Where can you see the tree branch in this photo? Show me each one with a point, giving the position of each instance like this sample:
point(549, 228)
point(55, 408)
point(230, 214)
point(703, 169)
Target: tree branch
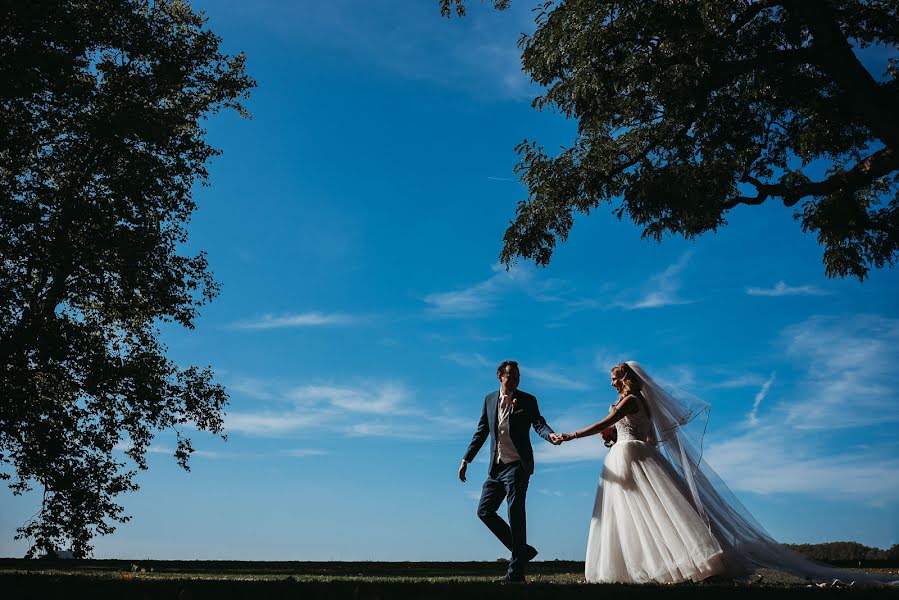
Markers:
point(752, 12)
point(864, 172)
point(873, 103)
point(724, 72)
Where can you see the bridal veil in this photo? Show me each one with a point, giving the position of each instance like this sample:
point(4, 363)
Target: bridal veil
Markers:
point(678, 426)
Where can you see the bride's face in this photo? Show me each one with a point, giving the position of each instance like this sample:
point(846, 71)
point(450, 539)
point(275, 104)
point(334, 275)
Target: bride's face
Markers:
point(616, 383)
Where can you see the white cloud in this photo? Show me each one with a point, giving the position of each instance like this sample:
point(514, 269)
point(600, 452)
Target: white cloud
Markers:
point(464, 334)
point(252, 388)
point(304, 452)
point(847, 379)
point(574, 306)
point(782, 289)
point(479, 298)
point(677, 378)
point(606, 358)
point(414, 423)
point(154, 449)
point(308, 319)
point(762, 393)
point(739, 381)
point(548, 377)
point(451, 422)
point(321, 406)
point(461, 303)
point(851, 376)
point(405, 430)
point(378, 398)
point(468, 360)
point(662, 288)
point(123, 446)
point(771, 460)
point(604, 361)
point(381, 409)
point(370, 429)
point(272, 424)
point(553, 379)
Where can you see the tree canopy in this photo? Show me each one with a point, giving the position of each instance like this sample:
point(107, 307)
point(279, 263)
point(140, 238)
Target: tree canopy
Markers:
point(101, 144)
point(688, 109)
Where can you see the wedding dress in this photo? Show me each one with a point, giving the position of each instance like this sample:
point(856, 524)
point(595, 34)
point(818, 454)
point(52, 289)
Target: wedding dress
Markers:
point(663, 515)
point(644, 528)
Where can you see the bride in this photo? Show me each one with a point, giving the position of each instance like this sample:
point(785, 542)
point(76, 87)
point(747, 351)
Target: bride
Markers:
point(661, 513)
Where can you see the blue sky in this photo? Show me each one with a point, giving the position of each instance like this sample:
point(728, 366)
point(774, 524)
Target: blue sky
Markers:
point(355, 224)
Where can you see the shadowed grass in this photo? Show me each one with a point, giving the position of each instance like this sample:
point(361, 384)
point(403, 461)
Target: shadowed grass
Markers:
point(219, 580)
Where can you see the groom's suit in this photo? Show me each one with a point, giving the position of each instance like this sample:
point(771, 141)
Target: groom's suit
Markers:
point(509, 480)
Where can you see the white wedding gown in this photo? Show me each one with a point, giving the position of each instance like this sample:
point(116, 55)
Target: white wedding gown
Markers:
point(644, 528)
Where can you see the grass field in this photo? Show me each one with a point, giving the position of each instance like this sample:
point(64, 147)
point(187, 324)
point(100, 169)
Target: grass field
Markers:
point(194, 580)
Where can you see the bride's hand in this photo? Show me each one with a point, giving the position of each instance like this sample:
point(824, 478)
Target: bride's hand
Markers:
point(567, 437)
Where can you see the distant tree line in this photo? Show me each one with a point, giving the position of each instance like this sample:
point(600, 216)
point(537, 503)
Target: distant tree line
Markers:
point(845, 552)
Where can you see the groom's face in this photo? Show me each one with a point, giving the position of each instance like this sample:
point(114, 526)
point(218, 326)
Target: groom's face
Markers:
point(509, 378)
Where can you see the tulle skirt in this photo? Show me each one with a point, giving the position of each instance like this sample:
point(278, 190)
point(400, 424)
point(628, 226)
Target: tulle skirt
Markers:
point(644, 529)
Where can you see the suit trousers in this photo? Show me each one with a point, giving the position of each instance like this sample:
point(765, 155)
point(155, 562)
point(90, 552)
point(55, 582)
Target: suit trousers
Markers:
point(507, 482)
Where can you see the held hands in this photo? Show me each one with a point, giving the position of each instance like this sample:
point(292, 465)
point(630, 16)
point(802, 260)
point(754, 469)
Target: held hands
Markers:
point(557, 438)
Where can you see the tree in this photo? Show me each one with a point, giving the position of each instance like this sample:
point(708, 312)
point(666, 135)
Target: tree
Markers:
point(688, 109)
point(100, 145)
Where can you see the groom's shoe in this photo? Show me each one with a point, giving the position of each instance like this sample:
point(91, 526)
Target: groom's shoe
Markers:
point(530, 553)
point(509, 579)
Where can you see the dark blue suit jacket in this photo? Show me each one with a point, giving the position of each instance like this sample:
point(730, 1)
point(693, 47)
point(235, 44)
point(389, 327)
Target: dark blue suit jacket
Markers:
point(525, 415)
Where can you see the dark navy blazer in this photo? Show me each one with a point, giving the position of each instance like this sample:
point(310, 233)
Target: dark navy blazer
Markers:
point(525, 415)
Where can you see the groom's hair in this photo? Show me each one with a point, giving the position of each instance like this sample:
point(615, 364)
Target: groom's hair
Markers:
point(507, 363)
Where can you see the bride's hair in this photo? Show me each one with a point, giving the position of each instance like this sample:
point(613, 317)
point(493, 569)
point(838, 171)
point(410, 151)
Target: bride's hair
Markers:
point(630, 383)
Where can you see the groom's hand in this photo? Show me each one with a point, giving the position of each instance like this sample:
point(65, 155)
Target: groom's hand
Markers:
point(555, 439)
point(462, 469)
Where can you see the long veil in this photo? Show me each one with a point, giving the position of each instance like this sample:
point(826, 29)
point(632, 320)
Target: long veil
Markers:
point(678, 430)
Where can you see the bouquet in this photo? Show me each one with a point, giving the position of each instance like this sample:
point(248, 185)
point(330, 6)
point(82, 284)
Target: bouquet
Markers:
point(609, 436)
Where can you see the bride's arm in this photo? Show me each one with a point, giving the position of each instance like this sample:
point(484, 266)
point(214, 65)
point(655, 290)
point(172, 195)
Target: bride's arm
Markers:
point(624, 408)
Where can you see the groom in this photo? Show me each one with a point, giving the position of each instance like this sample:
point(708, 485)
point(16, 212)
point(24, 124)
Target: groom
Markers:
point(507, 417)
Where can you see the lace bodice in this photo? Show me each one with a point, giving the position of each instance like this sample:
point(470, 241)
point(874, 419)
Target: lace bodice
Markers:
point(635, 426)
